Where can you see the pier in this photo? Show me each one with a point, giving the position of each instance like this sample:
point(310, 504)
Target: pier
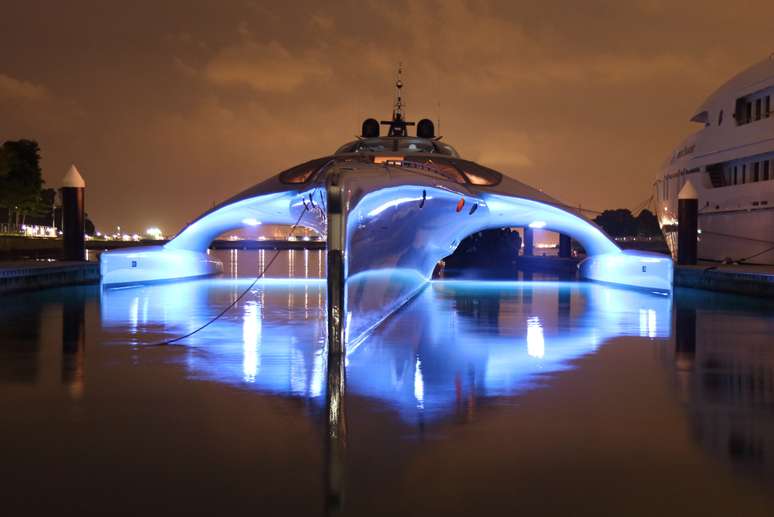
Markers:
point(26, 276)
point(739, 279)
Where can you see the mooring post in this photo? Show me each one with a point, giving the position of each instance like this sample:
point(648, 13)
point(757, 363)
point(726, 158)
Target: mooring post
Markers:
point(565, 246)
point(336, 267)
point(73, 215)
point(687, 224)
point(529, 241)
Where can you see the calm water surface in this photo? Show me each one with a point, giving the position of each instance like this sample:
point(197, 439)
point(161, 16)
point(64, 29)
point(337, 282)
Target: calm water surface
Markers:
point(494, 398)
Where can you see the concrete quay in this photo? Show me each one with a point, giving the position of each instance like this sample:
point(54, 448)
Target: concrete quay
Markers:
point(31, 275)
point(739, 279)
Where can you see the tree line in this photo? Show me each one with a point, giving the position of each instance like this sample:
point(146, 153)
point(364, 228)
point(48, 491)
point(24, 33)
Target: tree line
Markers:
point(21, 182)
point(622, 223)
point(22, 190)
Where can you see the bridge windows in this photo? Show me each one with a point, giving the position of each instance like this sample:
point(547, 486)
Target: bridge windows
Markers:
point(753, 107)
point(460, 171)
point(747, 170)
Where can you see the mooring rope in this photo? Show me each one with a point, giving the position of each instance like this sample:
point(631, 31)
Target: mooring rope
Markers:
point(740, 237)
point(243, 293)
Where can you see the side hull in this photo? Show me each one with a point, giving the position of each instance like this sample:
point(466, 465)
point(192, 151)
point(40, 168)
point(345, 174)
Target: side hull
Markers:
point(648, 271)
point(737, 235)
point(155, 264)
point(400, 224)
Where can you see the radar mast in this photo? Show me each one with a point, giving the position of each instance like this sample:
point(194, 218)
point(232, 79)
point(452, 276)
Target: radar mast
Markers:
point(398, 123)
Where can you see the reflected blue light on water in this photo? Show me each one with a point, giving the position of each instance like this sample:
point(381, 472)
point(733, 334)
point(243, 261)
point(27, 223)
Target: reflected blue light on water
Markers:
point(477, 340)
point(456, 342)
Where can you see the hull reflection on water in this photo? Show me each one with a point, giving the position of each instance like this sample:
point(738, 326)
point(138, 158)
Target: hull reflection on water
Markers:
point(461, 341)
point(723, 364)
point(455, 341)
point(272, 340)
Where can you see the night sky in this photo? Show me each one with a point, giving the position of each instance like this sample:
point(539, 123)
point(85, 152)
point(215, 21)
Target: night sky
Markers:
point(168, 107)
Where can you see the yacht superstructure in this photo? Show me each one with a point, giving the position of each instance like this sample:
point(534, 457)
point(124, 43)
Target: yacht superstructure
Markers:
point(730, 162)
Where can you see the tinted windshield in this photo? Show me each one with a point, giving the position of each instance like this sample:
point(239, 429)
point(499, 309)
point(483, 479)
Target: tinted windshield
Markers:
point(404, 145)
point(304, 172)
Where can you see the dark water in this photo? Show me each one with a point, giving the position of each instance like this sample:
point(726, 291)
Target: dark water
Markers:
point(494, 398)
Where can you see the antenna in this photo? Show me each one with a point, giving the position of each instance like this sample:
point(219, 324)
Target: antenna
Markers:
point(439, 115)
point(398, 123)
point(397, 112)
point(438, 98)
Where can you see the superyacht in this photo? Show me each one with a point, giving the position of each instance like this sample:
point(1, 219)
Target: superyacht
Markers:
point(730, 164)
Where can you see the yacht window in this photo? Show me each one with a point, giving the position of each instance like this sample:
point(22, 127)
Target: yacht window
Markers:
point(757, 109)
point(765, 170)
point(303, 172)
point(748, 112)
point(406, 145)
point(756, 170)
point(768, 106)
point(744, 173)
point(416, 146)
point(478, 175)
point(720, 117)
point(438, 167)
point(735, 175)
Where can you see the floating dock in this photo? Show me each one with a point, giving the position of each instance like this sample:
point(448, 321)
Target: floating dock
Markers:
point(25, 276)
point(739, 279)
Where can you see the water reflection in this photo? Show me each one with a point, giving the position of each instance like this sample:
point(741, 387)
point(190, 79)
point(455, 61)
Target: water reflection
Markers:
point(335, 433)
point(462, 352)
point(456, 341)
point(74, 341)
point(43, 338)
point(723, 363)
point(465, 341)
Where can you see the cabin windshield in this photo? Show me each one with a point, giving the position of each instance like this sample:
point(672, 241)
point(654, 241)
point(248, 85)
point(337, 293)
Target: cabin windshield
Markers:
point(402, 145)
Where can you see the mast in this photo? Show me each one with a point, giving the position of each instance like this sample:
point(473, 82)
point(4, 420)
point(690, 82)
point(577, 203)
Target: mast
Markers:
point(397, 111)
point(398, 123)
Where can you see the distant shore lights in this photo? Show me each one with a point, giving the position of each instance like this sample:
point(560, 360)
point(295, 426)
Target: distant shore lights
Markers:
point(154, 233)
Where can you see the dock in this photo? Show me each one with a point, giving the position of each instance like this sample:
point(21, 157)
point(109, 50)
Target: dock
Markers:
point(732, 278)
point(31, 275)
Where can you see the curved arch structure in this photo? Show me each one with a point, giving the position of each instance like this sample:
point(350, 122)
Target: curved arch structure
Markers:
point(390, 218)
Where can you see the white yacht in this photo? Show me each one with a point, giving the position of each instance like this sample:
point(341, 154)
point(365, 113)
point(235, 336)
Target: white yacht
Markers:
point(730, 162)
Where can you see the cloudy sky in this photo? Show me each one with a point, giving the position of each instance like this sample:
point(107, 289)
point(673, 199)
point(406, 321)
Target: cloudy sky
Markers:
point(170, 106)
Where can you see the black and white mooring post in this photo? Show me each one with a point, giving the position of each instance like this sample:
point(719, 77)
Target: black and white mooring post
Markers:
point(687, 225)
point(73, 215)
